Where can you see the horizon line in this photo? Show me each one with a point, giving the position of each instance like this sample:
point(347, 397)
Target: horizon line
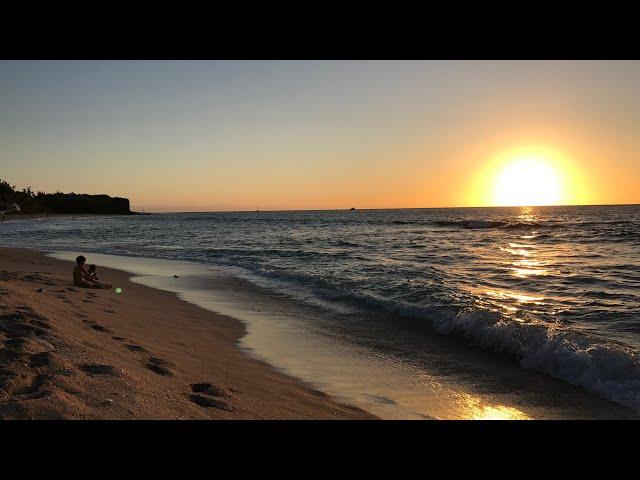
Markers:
point(398, 208)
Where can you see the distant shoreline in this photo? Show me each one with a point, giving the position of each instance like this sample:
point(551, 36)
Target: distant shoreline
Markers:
point(28, 216)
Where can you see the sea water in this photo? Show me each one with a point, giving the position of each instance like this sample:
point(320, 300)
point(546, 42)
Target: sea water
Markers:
point(555, 289)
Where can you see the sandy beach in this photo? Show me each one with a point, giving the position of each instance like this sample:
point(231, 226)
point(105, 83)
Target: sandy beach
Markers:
point(72, 353)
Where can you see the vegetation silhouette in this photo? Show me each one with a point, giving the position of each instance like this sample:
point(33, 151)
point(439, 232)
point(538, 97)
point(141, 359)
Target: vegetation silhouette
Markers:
point(16, 201)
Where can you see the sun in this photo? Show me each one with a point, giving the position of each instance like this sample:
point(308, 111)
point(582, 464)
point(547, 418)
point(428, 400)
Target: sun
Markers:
point(528, 175)
point(527, 181)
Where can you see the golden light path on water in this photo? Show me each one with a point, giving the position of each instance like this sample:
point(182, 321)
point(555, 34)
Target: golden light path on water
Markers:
point(523, 260)
point(498, 412)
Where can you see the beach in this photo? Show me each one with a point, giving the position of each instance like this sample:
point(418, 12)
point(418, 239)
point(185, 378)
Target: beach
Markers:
point(416, 240)
point(408, 314)
point(72, 353)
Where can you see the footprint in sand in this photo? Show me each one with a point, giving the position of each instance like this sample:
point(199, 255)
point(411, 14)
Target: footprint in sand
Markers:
point(101, 369)
point(160, 366)
point(96, 326)
point(209, 396)
point(24, 324)
point(100, 328)
point(41, 323)
point(39, 360)
point(209, 389)
point(209, 402)
point(32, 390)
point(109, 311)
point(135, 348)
point(119, 338)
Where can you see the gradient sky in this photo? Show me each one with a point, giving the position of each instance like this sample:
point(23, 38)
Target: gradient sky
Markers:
point(193, 136)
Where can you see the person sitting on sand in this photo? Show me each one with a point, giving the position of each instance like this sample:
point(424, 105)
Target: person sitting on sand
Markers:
point(82, 278)
point(92, 273)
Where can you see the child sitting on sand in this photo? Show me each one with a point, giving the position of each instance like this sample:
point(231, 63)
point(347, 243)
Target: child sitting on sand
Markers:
point(82, 277)
point(92, 273)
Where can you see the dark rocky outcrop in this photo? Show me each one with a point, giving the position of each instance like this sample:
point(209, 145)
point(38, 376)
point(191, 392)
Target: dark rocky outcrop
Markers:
point(40, 202)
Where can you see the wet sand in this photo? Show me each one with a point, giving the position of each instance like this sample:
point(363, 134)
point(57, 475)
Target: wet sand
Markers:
point(72, 353)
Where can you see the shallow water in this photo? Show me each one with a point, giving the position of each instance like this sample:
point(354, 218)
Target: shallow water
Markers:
point(557, 289)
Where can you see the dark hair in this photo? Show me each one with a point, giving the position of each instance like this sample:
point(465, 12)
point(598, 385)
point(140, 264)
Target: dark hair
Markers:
point(80, 260)
point(92, 268)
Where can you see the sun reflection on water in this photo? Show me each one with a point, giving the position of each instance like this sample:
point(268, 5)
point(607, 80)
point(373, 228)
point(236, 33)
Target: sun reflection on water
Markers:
point(527, 214)
point(528, 267)
point(499, 412)
point(475, 410)
point(518, 297)
point(521, 257)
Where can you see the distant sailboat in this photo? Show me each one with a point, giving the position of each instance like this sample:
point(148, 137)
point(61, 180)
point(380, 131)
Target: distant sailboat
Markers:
point(257, 209)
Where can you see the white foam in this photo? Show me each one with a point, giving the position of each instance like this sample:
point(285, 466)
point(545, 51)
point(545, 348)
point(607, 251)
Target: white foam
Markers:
point(603, 367)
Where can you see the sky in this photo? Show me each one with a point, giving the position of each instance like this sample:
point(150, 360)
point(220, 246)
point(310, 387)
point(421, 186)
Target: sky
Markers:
point(230, 135)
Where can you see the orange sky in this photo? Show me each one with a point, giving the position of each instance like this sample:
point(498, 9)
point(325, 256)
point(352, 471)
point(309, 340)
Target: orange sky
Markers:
point(175, 136)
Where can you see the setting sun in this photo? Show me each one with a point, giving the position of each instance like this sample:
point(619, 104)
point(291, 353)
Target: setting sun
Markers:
point(532, 175)
point(527, 181)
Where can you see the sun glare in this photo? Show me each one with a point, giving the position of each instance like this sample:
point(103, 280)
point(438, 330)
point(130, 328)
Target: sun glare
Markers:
point(527, 181)
point(528, 176)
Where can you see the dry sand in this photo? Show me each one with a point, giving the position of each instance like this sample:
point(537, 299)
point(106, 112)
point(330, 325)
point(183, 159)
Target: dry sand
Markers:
point(72, 353)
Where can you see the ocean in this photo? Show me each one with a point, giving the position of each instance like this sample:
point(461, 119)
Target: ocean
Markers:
point(365, 303)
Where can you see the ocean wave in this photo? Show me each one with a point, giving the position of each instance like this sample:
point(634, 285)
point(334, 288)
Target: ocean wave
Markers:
point(478, 224)
point(497, 224)
point(603, 367)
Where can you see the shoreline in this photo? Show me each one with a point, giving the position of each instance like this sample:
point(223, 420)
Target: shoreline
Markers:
point(450, 384)
point(35, 216)
point(452, 381)
point(71, 353)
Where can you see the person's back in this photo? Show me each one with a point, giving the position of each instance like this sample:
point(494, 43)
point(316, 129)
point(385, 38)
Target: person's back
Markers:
point(78, 276)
